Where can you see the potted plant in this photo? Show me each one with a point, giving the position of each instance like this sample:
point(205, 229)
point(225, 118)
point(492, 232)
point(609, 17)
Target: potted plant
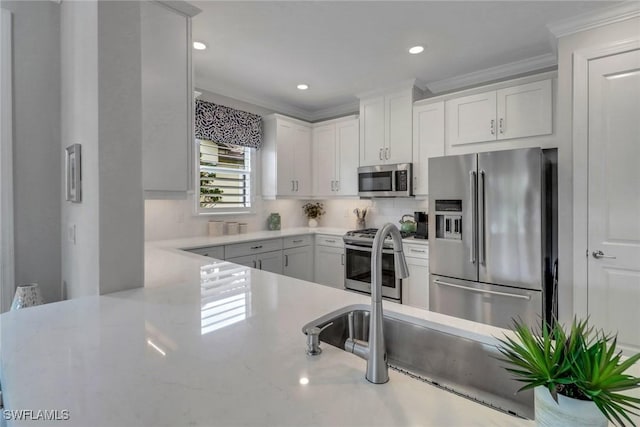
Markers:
point(577, 376)
point(313, 211)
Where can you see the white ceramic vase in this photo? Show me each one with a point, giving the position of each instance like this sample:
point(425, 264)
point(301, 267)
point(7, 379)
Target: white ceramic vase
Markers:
point(313, 223)
point(27, 296)
point(568, 412)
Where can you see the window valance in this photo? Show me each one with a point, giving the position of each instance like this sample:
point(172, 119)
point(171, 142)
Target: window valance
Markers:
point(226, 125)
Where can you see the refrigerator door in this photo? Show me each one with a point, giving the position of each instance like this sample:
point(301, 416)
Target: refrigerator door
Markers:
point(452, 212)
point(491, 304)
point(510, 218)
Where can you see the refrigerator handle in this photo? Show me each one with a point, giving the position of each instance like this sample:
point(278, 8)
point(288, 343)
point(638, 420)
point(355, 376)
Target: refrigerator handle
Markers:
point(473, 191)
point(481, 224)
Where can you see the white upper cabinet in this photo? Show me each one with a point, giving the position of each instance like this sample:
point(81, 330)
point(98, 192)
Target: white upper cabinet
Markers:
point(385, 128)
point(335, 158)
point(286, 157)
point(167, 98)
point(428, 141)
point(513, 112)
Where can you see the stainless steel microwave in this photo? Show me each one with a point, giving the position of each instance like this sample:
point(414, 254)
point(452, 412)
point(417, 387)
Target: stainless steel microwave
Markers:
point(386, 180)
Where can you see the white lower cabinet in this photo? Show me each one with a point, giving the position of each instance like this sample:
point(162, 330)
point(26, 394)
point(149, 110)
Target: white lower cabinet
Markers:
point(329, 261)
point(415, 288)
point(298, 262)
point(268, 261)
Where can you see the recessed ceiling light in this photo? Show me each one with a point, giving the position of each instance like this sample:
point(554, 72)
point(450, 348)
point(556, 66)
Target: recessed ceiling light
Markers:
point(199, 46)
point(416, 49)
point(303, 86)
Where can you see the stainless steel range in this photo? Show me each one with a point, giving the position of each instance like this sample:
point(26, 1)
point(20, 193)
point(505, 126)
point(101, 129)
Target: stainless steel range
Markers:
point(357, 245)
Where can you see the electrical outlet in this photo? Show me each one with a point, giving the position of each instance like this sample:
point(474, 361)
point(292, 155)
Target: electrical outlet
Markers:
point(71, 233)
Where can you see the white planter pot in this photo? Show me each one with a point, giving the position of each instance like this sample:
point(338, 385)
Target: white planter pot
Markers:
point(567, 412)
point(313, 223)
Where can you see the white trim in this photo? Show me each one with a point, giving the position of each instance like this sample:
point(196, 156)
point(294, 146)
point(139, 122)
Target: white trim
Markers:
point(7, 266)
point(595, 18)
point(580, 139)
point(494, 73)
point(181, 7)
point(409, 84)
point(337, 111)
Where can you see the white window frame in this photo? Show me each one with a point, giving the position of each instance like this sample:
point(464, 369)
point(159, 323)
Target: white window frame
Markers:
point(225, 211)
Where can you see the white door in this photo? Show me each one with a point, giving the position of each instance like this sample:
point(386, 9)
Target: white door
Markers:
point(285, 139)
point(302, 161)
point(247, 260)
point(613, 296)
point(298, 263)
point(372, 131)
point(524, 110)
point(324, 159)
point(415, 288)
point(471, 119)
point(270, 261)
point(428, 141)
point(398, 137)
point(329, 266)
point(347, 150)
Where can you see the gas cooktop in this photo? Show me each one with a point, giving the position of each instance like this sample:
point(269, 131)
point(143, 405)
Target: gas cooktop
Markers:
point(367, 235)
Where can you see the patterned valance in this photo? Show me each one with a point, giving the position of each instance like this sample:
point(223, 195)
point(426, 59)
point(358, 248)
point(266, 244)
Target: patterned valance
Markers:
point(225, 125)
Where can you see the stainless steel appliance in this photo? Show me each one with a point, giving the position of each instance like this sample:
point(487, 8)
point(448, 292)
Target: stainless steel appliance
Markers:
point(358, 249)
point(492, 238)
point(422, 221)
point(385, 180)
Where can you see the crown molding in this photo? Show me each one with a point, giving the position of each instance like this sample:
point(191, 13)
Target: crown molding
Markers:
point(408, 84)
point(595, 18)
point(337, 111)
point(494, 73)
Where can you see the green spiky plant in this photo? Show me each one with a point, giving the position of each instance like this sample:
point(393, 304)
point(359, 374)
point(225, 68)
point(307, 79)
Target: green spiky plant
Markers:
point(583, 364)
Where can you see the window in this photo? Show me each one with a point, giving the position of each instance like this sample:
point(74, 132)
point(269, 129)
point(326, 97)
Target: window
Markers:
point(224, 182)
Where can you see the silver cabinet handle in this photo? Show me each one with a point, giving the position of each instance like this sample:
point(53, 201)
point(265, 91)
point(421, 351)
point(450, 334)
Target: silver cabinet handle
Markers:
point(600, 254)
point(501, 125)
point(417, 251)
point(256, 247)
point(380, 154)
point(332, 185)
point(474, 215)
point(286, 260)
point(293, 186)
point(297, 185)
point(386, 153)
point(482, 244)
point(254, 264)
point(493, 127)
point(329, 240)
point(337, 185)
point(482, 291)
point(298, 241)
point(260, 264)
point(342, 259)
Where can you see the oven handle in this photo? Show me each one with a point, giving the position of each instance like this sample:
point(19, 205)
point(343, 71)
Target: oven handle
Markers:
point(366, 249)
point(483, 291)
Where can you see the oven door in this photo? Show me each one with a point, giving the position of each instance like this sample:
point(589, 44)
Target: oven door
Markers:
point(358, 271)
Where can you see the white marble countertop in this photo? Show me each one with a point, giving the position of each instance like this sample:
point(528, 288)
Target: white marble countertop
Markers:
point(220, 344)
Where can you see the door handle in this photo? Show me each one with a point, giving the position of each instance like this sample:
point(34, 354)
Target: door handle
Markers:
point(332, 185)
point(380, 154)
point(474, 215)
point(254, 264)
point(386, 153)
point(600, 254)
point(482, 291)
point(297, 185)
point(260, 264)
point(286, 260)
point(482, 245)
point(501, 126)
point(342, 259)
point(293, 186)
point(337, 185)
point(493, 127)
point(256, 247)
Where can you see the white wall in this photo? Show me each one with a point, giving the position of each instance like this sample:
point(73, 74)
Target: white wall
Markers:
point(36, 95)
point(100, 51)
point(566, 47)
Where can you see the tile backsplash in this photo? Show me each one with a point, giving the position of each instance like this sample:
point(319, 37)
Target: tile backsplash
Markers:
point(171, 219)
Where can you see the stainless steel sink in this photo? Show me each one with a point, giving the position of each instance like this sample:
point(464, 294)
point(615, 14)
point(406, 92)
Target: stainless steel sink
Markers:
point(458, 364)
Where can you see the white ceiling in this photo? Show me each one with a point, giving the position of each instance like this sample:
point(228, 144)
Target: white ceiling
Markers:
point(259, 51)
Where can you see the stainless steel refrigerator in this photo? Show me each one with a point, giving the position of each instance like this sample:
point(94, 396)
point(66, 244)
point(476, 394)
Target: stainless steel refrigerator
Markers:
point(492, 236)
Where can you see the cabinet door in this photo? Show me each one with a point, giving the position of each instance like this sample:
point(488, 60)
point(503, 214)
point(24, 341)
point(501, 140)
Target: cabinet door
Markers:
point(471, 119)
point(398, 138)
point(324, 160)
point(347, 151)
point(525, 110)
point(415, 288)
point(428, 141)
point(270, 261)
point(329, 266)
point(298, 263)
point(166, 99)
point(301, 161)
point(247, 260)
point(372, 117)
point(285, 142)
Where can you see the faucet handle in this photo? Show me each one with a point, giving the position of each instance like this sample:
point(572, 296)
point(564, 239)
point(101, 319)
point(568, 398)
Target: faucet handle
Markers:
point(313, 339)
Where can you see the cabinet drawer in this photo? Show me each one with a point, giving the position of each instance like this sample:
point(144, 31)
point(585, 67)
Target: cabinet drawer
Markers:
point(210, 251)
point(249, 248)
point(296, 241)
point(416, 250)
point(329, 240)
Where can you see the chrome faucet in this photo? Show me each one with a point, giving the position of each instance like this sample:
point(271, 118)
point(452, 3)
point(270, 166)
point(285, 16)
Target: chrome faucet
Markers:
point(375, 351)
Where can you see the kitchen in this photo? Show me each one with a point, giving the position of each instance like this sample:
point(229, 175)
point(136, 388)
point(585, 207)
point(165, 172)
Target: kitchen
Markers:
point(172, 219)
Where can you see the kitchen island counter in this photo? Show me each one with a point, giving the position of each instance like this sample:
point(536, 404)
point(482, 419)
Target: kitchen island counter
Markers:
point(221, 345)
